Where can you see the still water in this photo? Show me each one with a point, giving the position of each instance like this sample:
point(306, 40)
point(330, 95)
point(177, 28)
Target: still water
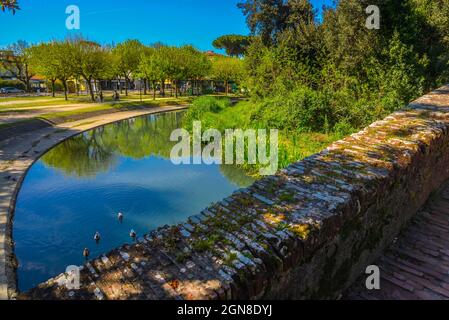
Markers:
point(78, 188)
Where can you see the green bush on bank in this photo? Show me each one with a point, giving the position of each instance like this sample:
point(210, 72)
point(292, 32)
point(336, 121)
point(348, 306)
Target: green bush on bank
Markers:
point(295, 142)
point(203, 109)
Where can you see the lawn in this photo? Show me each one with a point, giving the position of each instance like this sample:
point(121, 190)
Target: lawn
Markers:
point(112, 106)
point(40, 102)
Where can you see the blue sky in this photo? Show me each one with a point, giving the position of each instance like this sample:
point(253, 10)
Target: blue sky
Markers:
point(173, 22)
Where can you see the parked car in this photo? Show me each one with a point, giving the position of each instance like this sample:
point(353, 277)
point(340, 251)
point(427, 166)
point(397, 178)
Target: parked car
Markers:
point(11, 90)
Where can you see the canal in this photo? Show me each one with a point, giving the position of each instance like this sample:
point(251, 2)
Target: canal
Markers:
point(79, 187)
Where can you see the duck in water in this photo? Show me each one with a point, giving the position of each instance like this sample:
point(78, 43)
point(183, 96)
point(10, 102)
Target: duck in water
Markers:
point(97, 237)
point(133, 234)
point(120, 217)
point(86, 253)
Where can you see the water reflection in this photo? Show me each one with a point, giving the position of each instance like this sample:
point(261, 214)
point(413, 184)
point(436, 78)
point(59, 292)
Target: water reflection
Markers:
point(97, 150)
point(79, 187)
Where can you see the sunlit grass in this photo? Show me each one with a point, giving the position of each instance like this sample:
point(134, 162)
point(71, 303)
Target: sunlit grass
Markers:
point(113, 106)
point(294, 145)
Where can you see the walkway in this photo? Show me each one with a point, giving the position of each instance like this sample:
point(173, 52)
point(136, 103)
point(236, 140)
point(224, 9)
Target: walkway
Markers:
point(416, 266)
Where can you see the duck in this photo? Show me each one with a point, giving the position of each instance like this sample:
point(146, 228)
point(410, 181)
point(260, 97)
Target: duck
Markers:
point(97, 236)
point(132, 234)
point(86, 253)
point(120, 216)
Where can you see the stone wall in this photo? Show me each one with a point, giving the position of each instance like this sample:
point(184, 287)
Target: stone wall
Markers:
point(307, 232)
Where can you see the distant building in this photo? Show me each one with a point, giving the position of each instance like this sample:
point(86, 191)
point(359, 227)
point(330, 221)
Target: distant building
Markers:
point(38, 83)
point(211, 53)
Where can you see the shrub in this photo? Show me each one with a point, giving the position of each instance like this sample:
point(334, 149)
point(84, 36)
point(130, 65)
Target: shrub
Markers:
point(301, 109)
point(203, 106)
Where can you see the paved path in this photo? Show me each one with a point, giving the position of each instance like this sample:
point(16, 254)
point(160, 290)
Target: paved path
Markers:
point(416, 266)
point(17, 154)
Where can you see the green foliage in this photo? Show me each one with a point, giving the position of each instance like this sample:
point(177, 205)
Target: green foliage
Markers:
point(336, 74)
point(294, 144)
point(126, 58)
point(16, 59)
point(203, 106)
point(227, 69)
point(235, 45)
point(301, 109)
point(54, 61)
point(91, 61)
point(269, 17)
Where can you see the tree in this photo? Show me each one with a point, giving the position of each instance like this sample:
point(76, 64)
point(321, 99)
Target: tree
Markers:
point(337, 71)
point(54, 61)
point(197, 65)
point(227, 69)
point(92, 62)
point(127, 57)
point(267, 18)
point(43, 61)
point(235, 45)
point(11, 5)
point(16, 60)
point(175, 65)
point(264, 17)
point(151, 66)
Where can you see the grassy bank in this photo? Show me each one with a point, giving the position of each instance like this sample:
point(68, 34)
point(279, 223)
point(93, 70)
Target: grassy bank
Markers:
point(20, 104)
point(220, 114)
point(87, 110)
point(113, 107)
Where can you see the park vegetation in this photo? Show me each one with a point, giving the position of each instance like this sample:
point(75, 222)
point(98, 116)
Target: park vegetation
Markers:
point(317, 80)
point(334, 73)
point(88, 62)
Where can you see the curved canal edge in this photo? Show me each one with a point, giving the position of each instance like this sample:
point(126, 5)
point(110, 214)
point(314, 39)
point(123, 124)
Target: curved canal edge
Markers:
point(17, 155)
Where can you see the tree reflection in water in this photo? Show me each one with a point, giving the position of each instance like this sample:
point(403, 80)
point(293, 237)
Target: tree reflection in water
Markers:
point(98, 150)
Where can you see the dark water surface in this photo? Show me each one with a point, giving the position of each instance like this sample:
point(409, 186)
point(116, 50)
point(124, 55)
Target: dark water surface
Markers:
point(78, 188)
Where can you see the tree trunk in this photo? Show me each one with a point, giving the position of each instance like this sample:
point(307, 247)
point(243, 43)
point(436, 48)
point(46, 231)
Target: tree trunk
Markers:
point(176, 89)
point(154, 90)
point(126, 86)
point(27, 84)
point(64, 83)
point(145, 86)
point(227, 87)
point(91, 91)
point(53, 88)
